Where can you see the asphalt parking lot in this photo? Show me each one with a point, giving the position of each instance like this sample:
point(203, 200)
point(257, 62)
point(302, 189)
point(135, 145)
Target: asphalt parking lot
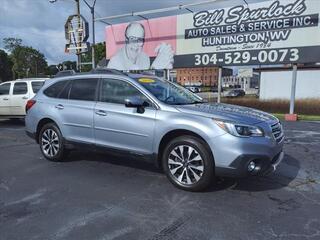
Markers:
point(98, 196)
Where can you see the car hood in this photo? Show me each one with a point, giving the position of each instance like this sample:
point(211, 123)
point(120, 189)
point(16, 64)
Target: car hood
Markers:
point(227, 112)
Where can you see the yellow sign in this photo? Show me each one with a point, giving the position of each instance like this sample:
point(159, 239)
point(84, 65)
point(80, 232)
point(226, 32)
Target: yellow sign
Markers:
point(146, 80)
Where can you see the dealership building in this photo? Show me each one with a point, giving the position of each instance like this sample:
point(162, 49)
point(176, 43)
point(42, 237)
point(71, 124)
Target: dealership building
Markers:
point(275, 83)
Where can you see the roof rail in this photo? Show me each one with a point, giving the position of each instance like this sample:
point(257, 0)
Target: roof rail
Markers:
point(65, 73)
point(108, 71)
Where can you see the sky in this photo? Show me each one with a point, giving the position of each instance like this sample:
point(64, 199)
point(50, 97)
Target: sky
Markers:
point(40, 24)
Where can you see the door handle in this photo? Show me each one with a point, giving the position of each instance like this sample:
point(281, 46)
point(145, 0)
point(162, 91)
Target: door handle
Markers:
point(59, 106)
point(101, 113)
point(6, 99)
point(24, 97)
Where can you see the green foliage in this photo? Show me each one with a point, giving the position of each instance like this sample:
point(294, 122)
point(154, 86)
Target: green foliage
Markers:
point(100, 53)
point(11, 43)
point(67, 65)
point(51, 70)
point(27, 61)
point(5, 67)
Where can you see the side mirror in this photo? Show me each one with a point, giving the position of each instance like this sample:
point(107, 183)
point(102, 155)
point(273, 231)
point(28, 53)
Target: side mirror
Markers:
point(138, 103)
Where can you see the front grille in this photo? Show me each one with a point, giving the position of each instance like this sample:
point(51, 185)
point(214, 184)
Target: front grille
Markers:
point(277, 132)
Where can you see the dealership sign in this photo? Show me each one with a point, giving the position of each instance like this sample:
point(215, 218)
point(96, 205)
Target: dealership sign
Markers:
point(272, 32)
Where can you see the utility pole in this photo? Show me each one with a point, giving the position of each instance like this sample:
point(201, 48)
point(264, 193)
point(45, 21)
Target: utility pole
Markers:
point(79, 36)
point(93, 39)
point(78, 51)
point(93, 31)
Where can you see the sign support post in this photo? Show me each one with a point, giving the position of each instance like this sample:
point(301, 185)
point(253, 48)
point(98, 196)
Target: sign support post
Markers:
point(78, 35)
point(93, 32)
point(291, 116)
point(93, 39)
point(293, 88)
point(219, 84)
point(168, 74)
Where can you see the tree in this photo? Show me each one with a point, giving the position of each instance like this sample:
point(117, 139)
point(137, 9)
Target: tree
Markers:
point(11, 43)
point(5, 67)
point(67, 65)
point(28, 62)
point(100, 52)
point(51, 70)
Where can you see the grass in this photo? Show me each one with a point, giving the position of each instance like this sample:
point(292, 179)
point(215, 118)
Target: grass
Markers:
point(309, 107)
point(300, 117)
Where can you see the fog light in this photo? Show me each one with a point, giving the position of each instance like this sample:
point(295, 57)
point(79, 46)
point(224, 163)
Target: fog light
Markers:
point(251, 166)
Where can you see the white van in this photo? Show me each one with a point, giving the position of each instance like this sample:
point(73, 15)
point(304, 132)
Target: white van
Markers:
point(15, 94)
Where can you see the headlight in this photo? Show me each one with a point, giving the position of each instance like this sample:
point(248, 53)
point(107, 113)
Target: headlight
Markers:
point(240, 130)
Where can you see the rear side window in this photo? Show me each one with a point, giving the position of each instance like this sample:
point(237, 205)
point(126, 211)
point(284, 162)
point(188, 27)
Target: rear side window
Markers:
point(5, 88)
point(117, 91)
point(20, 88)
point(36, 86)
point(64, 94)
point(83, 89)
point(55, 89)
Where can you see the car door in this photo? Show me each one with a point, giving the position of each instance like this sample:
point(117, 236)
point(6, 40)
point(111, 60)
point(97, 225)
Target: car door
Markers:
point(19, 98)
point(5, 99)
point(118, 126)
point(76, 112)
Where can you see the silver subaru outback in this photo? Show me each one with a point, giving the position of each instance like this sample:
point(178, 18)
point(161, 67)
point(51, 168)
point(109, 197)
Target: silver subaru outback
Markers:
point(191, 140)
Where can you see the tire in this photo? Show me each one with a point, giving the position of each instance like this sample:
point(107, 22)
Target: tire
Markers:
point(195, 174)
point(50, 137)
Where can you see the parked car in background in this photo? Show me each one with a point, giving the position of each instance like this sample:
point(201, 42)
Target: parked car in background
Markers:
point(215, 89)
point(236, 93)
point(14, 96)
point(193, 89)
point(144, 116)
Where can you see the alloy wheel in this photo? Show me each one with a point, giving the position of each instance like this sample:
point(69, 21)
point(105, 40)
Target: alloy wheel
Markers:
point(185, 164)
point(50, 142)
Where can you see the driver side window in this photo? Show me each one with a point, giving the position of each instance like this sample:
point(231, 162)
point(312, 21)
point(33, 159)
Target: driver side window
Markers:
point(117, 91)
point(5, 89)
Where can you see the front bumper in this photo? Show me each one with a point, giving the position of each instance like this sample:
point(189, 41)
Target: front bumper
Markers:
point(232, 155)
point(239, 168)
point(275, 164)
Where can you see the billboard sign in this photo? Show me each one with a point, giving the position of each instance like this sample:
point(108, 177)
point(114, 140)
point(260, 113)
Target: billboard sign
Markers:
point(271, 32)
point(76, 34)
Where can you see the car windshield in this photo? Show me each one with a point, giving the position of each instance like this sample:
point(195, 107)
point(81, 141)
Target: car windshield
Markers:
point(168, 92)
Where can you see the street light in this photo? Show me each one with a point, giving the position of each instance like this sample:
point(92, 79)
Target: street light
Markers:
point(93, 27)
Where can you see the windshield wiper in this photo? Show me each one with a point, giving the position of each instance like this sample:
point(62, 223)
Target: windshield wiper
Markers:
point(188, 103)
point(197, 102)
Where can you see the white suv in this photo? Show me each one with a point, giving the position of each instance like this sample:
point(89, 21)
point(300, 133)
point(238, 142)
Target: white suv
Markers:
point(15, 94)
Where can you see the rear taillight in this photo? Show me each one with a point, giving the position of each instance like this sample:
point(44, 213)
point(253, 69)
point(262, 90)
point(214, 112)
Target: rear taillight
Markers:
point(29, 104)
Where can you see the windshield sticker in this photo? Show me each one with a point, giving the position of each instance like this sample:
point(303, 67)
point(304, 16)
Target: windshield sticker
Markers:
point(146, 80)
